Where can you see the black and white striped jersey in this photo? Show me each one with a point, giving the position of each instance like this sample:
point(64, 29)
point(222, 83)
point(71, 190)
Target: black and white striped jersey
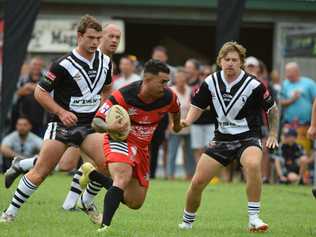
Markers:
point(77, 83)
point(238, 106)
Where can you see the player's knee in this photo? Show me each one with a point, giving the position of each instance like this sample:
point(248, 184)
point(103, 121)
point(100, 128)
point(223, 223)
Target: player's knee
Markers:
point(253, 165)
point(198, 183)
point(135, 205)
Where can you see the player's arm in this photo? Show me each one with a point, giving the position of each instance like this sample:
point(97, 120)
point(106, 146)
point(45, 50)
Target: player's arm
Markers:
point(175, 118)
point(41, 94)
point(107, 87)
point(200, 101)
point(99, 122)
point(269, 105)
point(193, 114)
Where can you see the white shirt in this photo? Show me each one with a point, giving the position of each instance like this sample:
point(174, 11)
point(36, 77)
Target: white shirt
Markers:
point(123, 81)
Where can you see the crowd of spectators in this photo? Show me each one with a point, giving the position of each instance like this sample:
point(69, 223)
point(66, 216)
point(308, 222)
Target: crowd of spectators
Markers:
point(291, 163)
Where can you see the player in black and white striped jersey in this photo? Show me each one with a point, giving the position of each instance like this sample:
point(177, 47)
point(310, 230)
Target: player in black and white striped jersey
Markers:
point(109, 44)
point(78, 79)
point(236, 99)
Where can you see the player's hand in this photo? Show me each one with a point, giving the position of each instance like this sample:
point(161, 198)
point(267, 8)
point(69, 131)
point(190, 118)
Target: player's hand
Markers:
point(311, 132)
point(176, 127)
point(99, 125)
point(118, 126)
point(184, 124)
point(69, 119)
point(272, 142)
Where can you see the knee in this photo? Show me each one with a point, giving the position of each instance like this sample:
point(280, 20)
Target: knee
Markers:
point(253, 166)
point(198, 183)
point(135, 205)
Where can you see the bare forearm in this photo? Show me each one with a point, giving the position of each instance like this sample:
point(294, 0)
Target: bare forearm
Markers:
point(106, 92)
point(46, 101)
point(273, 118)
point(7, 152)
point(193, 114)
point(286, 102)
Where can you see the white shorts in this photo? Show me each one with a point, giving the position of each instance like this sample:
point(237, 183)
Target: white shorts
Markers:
point(201, 135)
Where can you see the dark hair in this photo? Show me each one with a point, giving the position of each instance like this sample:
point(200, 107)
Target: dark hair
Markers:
point(195, 62)
point(23, 117)
point(161, 49)
point(154, 66)
point(88, 21)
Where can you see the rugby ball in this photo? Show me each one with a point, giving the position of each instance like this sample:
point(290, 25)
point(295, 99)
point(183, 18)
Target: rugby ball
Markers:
point(117, 112)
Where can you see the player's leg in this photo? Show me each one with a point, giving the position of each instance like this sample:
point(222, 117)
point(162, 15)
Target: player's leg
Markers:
point(49, 156)
point(69, 160)
point(134, 194)
point(75, 191)
point(93, 147)
point(122, 175)
point(251, 161)
point(206, 169)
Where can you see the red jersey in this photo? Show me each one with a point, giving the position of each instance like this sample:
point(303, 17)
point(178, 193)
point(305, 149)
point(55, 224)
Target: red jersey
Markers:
point(144, 116)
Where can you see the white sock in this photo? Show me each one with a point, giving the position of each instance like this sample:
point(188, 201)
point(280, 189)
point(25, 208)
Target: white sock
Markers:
point(188, 217)
point(28, 163)
point(74, 192)
point(253, 210)
point(22, 193)
point(92, 190)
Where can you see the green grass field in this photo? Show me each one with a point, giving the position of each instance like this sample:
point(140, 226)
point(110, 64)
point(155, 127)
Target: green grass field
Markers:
point(289, 210)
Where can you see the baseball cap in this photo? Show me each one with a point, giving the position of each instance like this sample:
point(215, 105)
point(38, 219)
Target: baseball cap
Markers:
point(251, 61)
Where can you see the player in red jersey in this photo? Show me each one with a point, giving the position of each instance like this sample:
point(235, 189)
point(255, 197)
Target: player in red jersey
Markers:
point(127, 162)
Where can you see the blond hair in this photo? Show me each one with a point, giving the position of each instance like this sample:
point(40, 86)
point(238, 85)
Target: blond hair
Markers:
point(232, 46)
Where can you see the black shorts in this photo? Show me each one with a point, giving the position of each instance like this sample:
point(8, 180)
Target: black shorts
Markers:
point(226, 152)
point(72, 136)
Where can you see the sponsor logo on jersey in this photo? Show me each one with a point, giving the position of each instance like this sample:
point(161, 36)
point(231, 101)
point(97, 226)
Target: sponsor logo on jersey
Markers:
point(77, 77)
point(50, 76)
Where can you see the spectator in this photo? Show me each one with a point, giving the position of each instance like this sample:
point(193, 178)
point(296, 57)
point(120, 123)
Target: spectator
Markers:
point(258, 69)
point(26, 104)
point(183, 92)
point(297, 94)
point(21, 142)
point(161, 53)
point(127, 75)
point(202, 130)
point(159, 138)
point(290, 160)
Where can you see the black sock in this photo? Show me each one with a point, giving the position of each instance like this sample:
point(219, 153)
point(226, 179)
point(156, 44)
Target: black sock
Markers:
point(112, 201)
point(101, 179)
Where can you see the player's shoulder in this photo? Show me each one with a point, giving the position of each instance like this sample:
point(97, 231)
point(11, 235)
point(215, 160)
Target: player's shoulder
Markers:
point(106, 58)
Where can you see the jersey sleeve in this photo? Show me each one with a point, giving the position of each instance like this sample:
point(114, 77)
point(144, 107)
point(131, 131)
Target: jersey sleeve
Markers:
point(51, 77)
point(113, 99)
point(109, 72)
point(265, 98)
point(175, 103)
point(203, 97)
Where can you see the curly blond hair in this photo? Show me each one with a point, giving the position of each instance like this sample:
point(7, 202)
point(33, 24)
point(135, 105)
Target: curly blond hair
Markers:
point(232, 46)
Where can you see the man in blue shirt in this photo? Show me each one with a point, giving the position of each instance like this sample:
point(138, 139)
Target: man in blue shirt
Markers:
point(297, 96)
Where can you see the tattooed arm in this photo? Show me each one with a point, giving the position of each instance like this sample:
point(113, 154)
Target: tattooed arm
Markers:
point(273, 117)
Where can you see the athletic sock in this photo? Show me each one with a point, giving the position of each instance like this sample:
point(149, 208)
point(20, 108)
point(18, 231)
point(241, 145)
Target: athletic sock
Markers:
point(28, 163)
point(112, 201)
point(101, 179)
point(91, 191)
point(74, 192)
point(188, 217)
point(253, 210)
point(24, 190)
